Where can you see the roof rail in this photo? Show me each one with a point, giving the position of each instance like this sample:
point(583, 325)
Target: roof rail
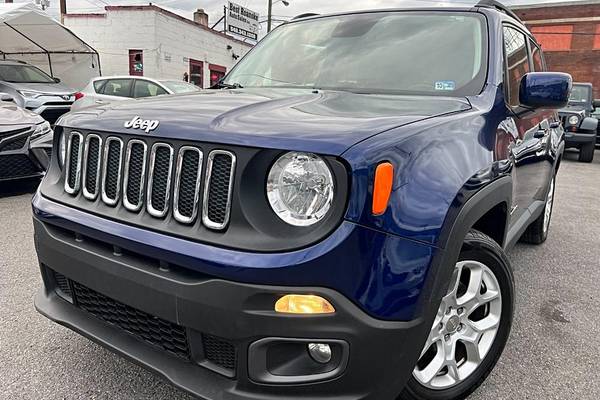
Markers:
point(498, 6)
point(305, 15)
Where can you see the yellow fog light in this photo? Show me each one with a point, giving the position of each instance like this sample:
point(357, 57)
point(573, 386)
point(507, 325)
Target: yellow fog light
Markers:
point(303, 304)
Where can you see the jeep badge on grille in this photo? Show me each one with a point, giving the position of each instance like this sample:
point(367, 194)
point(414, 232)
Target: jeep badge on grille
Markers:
point(147, 125)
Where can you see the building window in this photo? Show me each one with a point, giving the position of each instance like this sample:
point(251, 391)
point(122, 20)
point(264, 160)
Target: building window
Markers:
point(197, 73)
point(217, 73)
point(554, 37)
point(136, 62)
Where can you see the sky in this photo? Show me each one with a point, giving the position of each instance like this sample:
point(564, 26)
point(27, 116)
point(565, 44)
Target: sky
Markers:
point(214, 8)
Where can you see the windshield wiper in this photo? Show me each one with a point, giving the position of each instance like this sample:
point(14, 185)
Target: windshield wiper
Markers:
point(223, 85)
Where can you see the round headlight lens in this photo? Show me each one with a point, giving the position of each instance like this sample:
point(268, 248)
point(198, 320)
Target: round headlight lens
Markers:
point(62, 149)
point(300, 188)
point(574, 120)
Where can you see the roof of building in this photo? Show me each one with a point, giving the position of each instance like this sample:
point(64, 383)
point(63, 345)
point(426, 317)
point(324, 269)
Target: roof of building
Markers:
point(152, 7)
point(556, 4)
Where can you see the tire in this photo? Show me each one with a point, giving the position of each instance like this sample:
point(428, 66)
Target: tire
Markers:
point(586, 153)
point(478, 249)
point(537, 232)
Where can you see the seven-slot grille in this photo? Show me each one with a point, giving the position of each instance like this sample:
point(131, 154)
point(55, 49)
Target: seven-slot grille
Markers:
point(143, 177)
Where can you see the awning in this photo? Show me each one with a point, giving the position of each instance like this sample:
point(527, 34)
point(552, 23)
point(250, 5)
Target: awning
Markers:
point(29, 34)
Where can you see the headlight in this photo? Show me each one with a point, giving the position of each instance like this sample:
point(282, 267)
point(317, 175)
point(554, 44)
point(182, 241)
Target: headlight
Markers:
point(62, 149)
point(29, 94)
point(300, 188)
point(574, 120)
point(42, 129)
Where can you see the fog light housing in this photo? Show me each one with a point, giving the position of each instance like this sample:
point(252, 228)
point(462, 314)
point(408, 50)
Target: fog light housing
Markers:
point(303, 304)
point(320, 352)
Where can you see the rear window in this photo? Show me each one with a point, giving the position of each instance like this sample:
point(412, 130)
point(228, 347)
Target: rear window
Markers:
point(99, 85)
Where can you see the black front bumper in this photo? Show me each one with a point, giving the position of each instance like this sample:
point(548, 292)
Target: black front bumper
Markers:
point(375, 357)
point(578, 139)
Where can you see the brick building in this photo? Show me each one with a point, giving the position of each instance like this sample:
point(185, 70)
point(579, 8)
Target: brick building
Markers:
point(154, 42)
point(569, 33)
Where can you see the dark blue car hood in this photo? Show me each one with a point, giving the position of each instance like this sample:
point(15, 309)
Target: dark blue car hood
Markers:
point(324, 122)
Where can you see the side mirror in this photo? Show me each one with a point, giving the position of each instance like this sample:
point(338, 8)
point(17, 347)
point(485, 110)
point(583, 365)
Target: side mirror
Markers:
point(6, 97)
point(57, 80)
point(545, 90)
point(596, 103)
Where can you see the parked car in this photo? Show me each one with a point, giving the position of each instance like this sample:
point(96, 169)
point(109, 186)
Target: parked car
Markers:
point(33, 89)
point(580, 126)
point(25, 142)
point(332, 224)
point(105, 89)
point(596, 114)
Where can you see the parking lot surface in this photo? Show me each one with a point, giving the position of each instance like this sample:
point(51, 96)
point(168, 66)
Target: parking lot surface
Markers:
point(552, 353)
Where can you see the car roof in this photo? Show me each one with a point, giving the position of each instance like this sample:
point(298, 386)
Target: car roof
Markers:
point(13, 62)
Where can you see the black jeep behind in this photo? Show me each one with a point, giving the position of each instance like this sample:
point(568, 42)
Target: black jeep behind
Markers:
point(580, 126)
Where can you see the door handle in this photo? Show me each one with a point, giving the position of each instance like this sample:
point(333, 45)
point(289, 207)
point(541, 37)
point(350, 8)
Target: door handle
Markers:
point(540, 134)
point(99, 102)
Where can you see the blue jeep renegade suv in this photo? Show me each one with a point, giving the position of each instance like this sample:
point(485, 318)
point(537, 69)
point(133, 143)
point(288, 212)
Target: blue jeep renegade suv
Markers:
point(331, 223)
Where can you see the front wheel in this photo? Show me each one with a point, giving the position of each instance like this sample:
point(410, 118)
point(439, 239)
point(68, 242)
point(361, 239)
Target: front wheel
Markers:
point(471, 327)
point(586, 153)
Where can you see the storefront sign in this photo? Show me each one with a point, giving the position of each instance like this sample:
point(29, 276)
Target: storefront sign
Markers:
point(242, 21)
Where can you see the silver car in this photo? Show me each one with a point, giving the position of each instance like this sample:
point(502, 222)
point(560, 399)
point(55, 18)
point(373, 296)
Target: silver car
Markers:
point(33, 89)
point(107, 89)
point(25, 142)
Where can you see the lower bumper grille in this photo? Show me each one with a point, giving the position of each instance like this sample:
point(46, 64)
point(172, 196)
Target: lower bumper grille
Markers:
point(155, 331)
point(16, 166)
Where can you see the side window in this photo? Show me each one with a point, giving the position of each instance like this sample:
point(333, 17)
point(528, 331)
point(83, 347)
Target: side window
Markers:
point(144, 88)
point(517, 62)
point(118, 87)
point(99, 86)
point(536, 57)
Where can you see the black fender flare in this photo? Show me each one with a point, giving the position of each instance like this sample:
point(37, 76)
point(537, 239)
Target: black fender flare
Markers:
point(589, 124)
point(457, 225)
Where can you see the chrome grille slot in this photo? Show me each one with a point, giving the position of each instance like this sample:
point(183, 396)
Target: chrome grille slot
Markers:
point(135, 174)
point(111, 171)
point(73, 163)
point(91, 166)
point(188, 178)
point(218, 189)
point(159, 179)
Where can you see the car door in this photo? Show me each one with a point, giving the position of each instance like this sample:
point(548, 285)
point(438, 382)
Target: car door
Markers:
point(115, 90)
point(530, 130)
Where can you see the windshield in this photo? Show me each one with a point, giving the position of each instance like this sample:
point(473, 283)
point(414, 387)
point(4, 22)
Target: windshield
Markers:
point(180, 87)
point(24, 74)
point(580, 94)
point(432, 53)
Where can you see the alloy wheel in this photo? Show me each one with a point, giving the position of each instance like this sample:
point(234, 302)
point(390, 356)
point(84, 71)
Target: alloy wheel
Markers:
point(464, 328)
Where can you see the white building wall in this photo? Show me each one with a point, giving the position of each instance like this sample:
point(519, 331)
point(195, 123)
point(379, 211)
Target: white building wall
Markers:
point(167, 42)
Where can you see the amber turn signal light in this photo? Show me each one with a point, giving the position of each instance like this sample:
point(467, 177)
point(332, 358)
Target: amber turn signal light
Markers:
point(303, 304)
point(382, 187)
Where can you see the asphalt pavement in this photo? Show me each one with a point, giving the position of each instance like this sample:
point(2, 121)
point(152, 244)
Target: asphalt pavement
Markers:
point(553, 351)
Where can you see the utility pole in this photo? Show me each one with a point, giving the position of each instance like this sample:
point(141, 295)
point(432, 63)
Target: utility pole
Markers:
point(270, 16)
point(63, 10)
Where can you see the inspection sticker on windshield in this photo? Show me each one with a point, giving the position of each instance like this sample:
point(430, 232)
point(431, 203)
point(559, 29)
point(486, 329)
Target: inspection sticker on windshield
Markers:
point(445, 85)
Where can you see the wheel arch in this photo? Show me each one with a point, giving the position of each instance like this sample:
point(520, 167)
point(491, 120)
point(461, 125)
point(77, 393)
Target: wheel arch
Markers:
point(477, 210)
